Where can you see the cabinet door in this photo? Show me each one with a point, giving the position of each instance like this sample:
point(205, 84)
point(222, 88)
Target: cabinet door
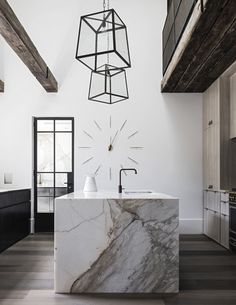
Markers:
point(211, 105)
point(216, 204)
point(205, 199)
point(224, 208)
point(213, 225)
point(206, 179)
point(212, 158)
point(211, 137)
point(215, 156)
point(205, 222)
point(224, 231)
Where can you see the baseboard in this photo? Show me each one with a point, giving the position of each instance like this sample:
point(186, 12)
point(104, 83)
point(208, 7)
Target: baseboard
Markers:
point(191, 226)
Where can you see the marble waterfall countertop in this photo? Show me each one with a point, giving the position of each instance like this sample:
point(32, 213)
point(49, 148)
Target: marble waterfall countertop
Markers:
point(127, 194)
point(107, 242)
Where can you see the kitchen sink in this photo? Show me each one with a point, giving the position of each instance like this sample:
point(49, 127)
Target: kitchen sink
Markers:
point(138, 192)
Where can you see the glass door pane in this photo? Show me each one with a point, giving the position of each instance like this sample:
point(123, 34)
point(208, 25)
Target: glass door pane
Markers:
point(63, 152)
point(53, 174)
point(45, 152)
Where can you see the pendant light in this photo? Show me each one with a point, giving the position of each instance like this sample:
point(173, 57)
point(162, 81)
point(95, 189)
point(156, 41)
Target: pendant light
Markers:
point(94, 30)
point(108, 86)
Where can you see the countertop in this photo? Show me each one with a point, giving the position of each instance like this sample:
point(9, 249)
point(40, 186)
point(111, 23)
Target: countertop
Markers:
point(115, 195)
point(13, 190)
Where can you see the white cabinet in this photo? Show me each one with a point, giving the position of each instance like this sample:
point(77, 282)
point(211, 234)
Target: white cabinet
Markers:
point(212, 157)
point(224, 208)
point(211, 137)
point(212, 224)
point(216, 136)
point(216, 216)
point(212, 200)
point(224, 231)
point(211, 105)
point(224, 196)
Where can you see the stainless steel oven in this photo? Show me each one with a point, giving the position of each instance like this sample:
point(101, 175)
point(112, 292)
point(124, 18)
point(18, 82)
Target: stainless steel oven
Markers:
point(232, 221)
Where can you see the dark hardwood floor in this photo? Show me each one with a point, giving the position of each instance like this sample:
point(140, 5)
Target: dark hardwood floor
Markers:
point(207, 275)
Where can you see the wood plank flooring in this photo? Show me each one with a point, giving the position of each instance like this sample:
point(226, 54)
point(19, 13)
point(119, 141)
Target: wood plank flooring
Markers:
point(207, 275)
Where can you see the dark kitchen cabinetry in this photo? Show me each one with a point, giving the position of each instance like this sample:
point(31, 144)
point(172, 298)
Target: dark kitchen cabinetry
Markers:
point(178, 14)
point(14, 217)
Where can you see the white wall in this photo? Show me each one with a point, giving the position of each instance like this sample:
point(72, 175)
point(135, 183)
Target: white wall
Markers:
point(170, 125)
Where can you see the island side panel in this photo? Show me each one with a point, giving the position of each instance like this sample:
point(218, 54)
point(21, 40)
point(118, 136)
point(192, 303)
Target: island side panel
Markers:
point(81, 235)
point(138, 250)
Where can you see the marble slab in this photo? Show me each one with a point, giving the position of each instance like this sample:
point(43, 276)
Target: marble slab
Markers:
point(124, 245)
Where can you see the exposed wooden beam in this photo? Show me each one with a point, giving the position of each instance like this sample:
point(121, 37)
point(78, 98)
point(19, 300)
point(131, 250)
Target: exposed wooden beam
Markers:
point(1, 86)
point(208, 52)
point(18, 39)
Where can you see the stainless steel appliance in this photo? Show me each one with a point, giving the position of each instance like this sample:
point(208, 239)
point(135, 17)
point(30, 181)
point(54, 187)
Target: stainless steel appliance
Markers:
point(232, 221)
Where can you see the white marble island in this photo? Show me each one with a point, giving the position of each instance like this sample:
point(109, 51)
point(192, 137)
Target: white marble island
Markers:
point(107, 242)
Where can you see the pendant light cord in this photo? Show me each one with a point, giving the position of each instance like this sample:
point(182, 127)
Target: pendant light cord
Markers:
point(106, 6)
point(108, 42)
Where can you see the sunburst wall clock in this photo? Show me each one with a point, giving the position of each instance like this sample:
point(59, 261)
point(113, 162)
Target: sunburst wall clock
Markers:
point(107, 146)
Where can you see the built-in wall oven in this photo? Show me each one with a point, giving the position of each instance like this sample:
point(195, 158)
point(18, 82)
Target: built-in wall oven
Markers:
point(232, 221)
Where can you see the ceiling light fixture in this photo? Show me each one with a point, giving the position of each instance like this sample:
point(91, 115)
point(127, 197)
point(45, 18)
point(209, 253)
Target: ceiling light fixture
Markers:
point(103, 47)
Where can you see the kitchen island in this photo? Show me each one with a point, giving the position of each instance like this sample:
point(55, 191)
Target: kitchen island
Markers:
point(107, 242)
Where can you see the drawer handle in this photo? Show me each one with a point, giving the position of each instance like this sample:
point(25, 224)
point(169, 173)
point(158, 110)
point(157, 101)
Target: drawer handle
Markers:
point(210, 186)
point(210, 123)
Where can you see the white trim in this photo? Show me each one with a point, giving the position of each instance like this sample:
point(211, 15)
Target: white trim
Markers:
point(191, 226)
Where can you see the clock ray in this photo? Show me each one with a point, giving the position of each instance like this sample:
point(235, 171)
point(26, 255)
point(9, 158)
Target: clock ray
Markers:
point(88, 160)
point(110, 173)
point(123, 125)
point(84, 147)
point(132, 135)
point(89, 135)
point(98, 126)
point(136, 147)
point(110, 122)
point(134, 161)
point(97, 170)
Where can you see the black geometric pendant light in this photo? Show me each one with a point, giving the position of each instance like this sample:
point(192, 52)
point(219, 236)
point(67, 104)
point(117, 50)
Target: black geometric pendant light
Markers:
point(95, 32)
point(108, 86)
point(103, 47)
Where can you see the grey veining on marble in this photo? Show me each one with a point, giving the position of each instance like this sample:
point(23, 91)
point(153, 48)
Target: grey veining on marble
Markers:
point(142, 255)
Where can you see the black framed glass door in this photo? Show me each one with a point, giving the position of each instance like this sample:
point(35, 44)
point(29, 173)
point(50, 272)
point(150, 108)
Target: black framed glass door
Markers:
point(53, 167)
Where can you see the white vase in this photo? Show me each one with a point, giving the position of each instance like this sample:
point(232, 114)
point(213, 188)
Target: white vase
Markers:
point(90, 184)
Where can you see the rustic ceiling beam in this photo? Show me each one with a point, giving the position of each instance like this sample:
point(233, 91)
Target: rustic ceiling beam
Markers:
point(208, 50)
point(18, 39)
point(1, 86)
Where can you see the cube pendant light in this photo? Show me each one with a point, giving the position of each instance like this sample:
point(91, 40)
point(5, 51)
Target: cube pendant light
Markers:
point(109, 85)
point(101, 36)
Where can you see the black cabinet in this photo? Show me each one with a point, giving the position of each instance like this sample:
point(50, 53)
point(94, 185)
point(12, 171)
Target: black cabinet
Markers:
point(14, 217)
point(179, 12)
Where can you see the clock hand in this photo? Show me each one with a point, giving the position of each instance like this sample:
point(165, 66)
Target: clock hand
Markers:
point(114, 137)
point(110, 147)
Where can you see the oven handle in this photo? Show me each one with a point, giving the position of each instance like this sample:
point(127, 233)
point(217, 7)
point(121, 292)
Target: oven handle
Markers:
point(231, 206)
point(232, 241)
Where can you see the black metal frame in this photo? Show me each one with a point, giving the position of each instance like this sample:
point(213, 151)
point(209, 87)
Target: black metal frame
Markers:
point(107, 73)
point(44, 222)
point(127, 64)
